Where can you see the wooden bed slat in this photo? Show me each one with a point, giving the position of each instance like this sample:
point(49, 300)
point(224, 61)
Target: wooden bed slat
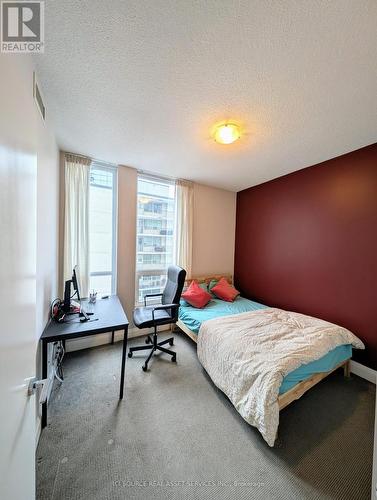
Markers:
point(299, 390)
point(193, 336)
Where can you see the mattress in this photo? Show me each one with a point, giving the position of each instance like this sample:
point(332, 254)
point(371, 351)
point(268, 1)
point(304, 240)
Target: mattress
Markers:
point(193, 318)
point(324, 364)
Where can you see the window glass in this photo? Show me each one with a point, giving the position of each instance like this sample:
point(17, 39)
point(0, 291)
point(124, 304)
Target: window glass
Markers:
point(155, 249)
point(102, 228)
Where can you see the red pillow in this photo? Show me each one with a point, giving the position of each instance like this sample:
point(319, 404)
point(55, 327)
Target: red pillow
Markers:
point(196, 296)
point(224, 291)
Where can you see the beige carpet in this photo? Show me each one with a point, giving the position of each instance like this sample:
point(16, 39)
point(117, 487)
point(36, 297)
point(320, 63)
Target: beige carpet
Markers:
point(175, 436)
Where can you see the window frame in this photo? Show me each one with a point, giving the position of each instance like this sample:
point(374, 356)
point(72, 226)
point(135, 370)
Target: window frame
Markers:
point(113, 169)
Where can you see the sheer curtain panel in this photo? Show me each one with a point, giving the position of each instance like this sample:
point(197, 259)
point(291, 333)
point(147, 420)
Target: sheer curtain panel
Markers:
point(184, 224)
point(76, 219)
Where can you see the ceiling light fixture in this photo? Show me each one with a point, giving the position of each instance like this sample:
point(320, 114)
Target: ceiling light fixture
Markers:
point(227, 133)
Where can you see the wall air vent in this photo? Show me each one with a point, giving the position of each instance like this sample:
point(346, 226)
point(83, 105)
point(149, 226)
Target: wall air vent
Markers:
point(38, 98)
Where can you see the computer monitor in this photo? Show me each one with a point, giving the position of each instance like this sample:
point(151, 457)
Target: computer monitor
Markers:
point(74, 282)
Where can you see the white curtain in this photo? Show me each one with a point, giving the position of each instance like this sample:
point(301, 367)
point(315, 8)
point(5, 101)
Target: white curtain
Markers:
point(184, 224)
point(76, 219)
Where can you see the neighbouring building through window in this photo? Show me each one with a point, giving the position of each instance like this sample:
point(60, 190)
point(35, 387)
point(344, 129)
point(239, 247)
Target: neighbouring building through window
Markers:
point(155, 243)
point(102, 228)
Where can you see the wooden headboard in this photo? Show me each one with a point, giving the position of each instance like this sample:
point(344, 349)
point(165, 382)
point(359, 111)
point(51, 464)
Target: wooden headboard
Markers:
point(208, 278)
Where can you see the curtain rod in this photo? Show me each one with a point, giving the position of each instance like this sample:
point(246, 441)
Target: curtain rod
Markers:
point(157, 176)
point(95, 160)
point(139, 171)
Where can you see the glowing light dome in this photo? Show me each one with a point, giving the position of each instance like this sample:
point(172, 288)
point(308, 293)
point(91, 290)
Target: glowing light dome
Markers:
point(227, 133)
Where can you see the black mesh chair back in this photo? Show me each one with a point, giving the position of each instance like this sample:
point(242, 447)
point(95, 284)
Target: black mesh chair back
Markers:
point(155, 315)
point(173, 288)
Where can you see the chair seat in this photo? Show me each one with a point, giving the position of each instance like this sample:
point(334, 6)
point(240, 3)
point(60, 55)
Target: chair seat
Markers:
point(142, 317)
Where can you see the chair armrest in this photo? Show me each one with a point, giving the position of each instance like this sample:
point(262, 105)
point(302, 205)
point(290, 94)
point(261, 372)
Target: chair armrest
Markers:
point(151, 295)
point(163, 306)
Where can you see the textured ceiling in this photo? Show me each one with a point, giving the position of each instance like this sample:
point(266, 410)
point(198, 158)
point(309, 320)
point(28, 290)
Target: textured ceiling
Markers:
point(140, 83)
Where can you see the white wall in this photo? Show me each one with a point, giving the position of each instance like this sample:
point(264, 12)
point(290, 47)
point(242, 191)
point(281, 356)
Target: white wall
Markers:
point(214, 230)
point(47, 221)
point(47, 230)
point(127, 196)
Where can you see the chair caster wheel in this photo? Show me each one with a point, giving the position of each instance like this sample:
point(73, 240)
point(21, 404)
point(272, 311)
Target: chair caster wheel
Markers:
point(174, 359)
point(171, 343)
point(130, 354)
point(144, 368)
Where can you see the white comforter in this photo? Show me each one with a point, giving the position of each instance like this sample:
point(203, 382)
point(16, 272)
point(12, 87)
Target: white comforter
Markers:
point(247, 356)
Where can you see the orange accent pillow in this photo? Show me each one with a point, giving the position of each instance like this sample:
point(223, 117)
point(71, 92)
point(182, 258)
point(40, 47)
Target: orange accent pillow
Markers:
point(224, 291)
point(196, 296)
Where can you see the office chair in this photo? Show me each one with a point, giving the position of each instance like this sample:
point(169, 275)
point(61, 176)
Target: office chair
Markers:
point(164, 313)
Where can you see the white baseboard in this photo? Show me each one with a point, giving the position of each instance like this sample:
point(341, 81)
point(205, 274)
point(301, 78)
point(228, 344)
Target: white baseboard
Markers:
point(105, 338)
point(363, 371)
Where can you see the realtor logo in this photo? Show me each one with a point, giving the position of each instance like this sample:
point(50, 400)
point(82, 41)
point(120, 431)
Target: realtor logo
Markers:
point(22, 27)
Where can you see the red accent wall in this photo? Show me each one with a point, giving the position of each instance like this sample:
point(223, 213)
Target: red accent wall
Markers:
point(307, 242)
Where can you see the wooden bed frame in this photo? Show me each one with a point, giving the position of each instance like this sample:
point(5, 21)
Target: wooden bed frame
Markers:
point(299, 389)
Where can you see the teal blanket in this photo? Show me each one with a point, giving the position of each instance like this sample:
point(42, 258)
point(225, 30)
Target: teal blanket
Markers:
point(193, 318)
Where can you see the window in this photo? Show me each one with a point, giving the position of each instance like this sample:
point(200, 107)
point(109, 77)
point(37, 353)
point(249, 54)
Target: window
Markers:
point(155, 249)
point(102, 228)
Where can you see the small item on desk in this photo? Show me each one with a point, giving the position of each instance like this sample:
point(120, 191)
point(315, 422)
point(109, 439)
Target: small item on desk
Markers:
point(83, 316)
point(104, 297)
point(92, 297)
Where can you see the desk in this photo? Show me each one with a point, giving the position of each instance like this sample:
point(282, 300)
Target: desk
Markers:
point(108, 316)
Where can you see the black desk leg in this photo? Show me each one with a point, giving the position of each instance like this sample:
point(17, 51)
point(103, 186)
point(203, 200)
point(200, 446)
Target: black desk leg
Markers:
point(112, 337)
point(44, 376)
point(124, 352)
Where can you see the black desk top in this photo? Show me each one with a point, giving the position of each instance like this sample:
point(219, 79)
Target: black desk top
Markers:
point(108, 316)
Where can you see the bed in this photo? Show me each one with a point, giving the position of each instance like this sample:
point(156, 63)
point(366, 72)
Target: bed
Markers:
point(226, 335)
